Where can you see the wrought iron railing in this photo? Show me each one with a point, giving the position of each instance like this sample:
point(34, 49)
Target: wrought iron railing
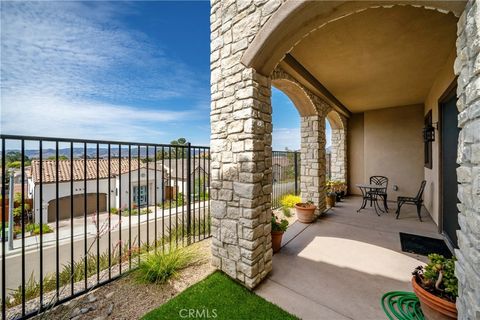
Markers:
point(285, 174)
point(82, 212)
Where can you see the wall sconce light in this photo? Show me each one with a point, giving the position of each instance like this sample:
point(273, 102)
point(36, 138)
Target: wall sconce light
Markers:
point(429, 132)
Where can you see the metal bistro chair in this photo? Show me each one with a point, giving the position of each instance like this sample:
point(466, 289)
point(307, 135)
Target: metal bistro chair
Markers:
point(380, 181)
point(418, 201)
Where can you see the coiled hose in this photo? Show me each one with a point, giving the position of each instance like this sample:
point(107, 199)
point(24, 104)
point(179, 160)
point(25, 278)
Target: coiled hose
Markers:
point(401, 305)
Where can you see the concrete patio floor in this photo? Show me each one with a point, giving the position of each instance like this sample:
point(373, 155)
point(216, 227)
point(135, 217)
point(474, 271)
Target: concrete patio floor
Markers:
point(340, 266)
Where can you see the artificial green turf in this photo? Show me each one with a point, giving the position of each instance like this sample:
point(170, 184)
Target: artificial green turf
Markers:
point(218, 297)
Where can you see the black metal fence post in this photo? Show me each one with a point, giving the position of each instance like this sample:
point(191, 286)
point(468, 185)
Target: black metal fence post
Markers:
point(189, 192)
point(295, 155)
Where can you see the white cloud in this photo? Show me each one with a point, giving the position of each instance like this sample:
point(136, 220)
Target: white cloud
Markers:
point(58, 117)
point(290, 138)
point(70, 69)
point(286, 138)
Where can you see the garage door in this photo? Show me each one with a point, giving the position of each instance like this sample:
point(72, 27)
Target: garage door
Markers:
point(78, 206)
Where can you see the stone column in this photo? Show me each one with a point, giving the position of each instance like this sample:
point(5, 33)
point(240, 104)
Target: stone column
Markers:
point(339, 154)
point(312, 159)
point(467, 67)
point(241, 162)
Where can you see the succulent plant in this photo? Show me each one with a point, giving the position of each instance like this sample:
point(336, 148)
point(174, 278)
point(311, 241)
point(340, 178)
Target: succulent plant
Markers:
point(277, 225)
point(438, 277)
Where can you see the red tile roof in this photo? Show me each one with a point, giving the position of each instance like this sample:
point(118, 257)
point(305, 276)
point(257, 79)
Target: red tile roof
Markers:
point(49, 169)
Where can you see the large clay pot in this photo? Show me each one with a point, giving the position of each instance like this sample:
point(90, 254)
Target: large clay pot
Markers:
point(277, 240)
point(305, 212)
point(331, 199)
point(433, 307)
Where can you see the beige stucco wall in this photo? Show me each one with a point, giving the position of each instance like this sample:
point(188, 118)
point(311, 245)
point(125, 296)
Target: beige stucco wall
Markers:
point(443, 80)
point(392, 146)
point(356, 166)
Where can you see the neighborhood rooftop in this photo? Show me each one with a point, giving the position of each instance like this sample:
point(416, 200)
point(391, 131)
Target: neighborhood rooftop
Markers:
point(49, 169)
point(178, 169)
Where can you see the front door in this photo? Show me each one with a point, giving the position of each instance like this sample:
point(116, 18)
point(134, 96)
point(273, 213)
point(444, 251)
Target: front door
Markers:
point(449, 141)
point(143, 195)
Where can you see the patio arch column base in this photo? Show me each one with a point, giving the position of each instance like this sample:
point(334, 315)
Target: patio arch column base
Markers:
point(313, 162)
point(339, 154)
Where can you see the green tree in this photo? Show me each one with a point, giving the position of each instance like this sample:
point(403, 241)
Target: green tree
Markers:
point(60, 157)
point(173, 152)
point(13, 159)
point(14, 164)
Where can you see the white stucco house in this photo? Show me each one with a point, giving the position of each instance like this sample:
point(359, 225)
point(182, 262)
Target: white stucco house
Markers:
point(115, 194)
point(178, 175)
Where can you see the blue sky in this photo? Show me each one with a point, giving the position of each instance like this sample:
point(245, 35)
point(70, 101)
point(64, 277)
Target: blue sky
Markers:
point(131, 71)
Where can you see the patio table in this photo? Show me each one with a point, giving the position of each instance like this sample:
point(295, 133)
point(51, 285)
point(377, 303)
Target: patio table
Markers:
point(372, 196)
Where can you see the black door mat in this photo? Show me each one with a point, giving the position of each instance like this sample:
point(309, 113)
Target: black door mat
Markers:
point(413, 243)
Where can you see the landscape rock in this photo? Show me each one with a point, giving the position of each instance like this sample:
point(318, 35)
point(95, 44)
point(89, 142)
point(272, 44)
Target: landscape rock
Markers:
point(110, 309)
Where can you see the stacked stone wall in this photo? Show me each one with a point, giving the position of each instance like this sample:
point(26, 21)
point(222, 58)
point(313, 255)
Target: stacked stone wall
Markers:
point(467, 67)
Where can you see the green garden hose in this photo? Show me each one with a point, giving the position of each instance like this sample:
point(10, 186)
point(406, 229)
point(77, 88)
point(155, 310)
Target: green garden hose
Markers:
point(401, 305)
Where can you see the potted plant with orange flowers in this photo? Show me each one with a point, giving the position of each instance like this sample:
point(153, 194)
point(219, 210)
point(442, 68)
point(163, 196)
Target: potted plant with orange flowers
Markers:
point(436, 287)
point(278, 229)
point(305, 211)
point(331, 195)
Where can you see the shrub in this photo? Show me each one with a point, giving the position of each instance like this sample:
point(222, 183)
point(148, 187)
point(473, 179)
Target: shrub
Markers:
point(145, 211)
point(173, 203)
point(158, 267)
point(32, 290)
point(281, 225)
point(286, 212)
point(438, 277)
point(35, 228)
point(290, 200)
point(113, 210)
point(17, 201)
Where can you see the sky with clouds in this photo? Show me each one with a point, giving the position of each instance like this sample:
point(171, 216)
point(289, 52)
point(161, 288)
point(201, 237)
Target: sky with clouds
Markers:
point(130, 71)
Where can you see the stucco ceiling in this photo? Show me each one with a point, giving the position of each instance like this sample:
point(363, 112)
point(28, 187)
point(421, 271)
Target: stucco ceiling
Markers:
point(379, 57)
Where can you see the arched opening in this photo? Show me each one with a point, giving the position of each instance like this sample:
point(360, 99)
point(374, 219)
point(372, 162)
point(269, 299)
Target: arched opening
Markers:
point(296, 19)
point(309, 156)
point(297, 95)
point(286, 141)
point(337, 150)
point(407, 53)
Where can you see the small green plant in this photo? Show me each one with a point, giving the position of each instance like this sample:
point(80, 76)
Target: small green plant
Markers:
point(135, 212)
point(17, 210)
point(308, 204)
point(113, 210)
point(145, 211)
point(32, 290)
point(35, 228)
point(290, 200)
point(279, 225)
point(438, 277)
point(286, 212)
point(158, 267)
point(336, 186)
point(173, 203)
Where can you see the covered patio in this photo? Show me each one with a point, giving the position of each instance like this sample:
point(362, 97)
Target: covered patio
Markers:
point(340, 266)
point(398, 82)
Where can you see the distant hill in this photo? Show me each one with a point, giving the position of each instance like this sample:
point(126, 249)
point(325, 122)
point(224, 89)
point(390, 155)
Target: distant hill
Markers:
point(92, 152)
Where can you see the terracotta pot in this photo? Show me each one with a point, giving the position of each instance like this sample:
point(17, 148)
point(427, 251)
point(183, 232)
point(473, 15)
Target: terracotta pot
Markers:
point(433, 307)
point(277, 240)
point(305, 214)
point(331, 198)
